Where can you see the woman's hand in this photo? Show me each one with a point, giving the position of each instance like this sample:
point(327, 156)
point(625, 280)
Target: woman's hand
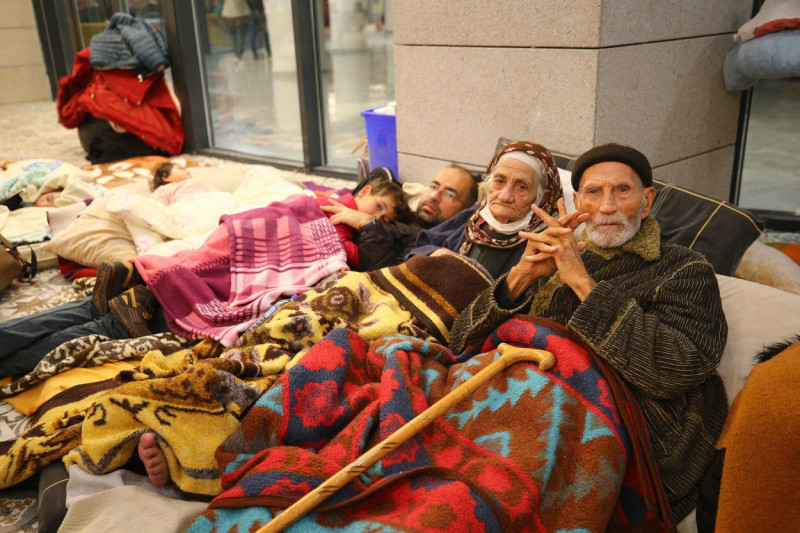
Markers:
point(345, 215)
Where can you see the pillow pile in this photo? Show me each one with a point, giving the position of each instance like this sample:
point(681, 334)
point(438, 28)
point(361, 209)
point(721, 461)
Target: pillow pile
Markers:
point(774, 16)
point(757, 316)
point(94, 237)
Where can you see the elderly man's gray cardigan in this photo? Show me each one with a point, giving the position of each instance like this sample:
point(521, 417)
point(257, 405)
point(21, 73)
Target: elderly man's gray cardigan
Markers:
point(656, 317)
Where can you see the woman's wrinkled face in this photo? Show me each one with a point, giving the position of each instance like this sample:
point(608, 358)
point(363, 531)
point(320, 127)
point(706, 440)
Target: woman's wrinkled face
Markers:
point(512, 190)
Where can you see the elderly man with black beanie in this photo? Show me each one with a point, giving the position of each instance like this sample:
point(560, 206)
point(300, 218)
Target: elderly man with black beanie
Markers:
point(652, 311)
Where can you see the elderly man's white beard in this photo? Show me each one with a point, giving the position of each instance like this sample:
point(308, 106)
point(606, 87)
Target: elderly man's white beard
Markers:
point(621, 232)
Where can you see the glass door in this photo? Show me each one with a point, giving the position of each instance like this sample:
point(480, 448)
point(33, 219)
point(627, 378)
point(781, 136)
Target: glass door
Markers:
point(770, 180)
point(254, 76)
point(357, 70)
point(250, 75)
point(276, 81)
point(766, 179)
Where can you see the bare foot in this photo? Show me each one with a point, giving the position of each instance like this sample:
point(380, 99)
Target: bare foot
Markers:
point(153, 458)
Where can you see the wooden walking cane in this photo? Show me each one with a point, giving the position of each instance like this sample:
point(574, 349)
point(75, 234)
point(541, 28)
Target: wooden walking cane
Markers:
point(508, 356)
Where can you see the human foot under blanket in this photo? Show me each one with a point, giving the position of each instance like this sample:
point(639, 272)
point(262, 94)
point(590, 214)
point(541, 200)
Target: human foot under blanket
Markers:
point(181, 395)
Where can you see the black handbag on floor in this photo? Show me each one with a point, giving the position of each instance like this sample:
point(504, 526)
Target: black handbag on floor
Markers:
point(13, 265)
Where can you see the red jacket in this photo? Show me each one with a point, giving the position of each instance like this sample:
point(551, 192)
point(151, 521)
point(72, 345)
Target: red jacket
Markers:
point(142, 106)
point(346, 233)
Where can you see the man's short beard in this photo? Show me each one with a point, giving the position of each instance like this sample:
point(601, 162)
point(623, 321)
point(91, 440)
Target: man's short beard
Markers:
point(436, 215)
point(619, 235)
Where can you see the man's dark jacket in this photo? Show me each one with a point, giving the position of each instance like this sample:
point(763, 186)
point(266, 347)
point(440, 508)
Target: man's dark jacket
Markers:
point(383, 244)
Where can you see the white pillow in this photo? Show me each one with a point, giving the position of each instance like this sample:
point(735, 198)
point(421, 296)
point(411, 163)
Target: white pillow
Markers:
point(225, 178)
point(758, 315)
point(764, 264)
point(96, 236)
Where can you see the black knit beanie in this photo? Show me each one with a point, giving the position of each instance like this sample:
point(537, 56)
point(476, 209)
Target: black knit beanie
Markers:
point(613, 152)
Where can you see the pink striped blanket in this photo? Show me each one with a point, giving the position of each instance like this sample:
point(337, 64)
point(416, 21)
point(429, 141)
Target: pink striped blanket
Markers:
point(251, 260)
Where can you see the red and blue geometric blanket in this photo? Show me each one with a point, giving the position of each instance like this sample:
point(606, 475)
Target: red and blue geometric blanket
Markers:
point(527, 451)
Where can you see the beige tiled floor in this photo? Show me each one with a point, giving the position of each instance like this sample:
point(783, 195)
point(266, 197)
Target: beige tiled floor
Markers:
point(31, 131)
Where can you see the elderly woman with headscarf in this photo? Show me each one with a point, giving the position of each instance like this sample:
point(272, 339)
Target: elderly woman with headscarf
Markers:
point(519, 175)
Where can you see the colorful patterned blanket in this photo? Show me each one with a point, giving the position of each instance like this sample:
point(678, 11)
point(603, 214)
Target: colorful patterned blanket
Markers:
point(251, 260)
point(528, 451)
point(183, 394)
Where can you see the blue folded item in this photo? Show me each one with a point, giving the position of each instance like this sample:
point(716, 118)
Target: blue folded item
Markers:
point(129, 42)
point(775, 55)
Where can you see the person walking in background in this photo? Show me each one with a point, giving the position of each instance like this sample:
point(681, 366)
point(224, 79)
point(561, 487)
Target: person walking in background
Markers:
point(236, 17)
point(258, 31)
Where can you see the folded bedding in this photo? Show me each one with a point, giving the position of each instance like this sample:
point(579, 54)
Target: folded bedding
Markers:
point(24, 225)
point(34, 177)
point(771, 56)
point(31, 178)
point(128, 222)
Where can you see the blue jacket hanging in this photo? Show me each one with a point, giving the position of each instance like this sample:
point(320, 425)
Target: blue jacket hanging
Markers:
point(129, 42)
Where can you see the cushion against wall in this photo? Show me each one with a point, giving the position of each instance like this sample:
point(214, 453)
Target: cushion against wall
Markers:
point(764, 264)
point(757, 315)
point(720, 231)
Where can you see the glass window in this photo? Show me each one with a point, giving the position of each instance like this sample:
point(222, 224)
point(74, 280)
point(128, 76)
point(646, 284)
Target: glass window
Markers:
point(358, 71)
point(251, 78)
point(240, 68)
point(93, 15)
point(770, 180)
